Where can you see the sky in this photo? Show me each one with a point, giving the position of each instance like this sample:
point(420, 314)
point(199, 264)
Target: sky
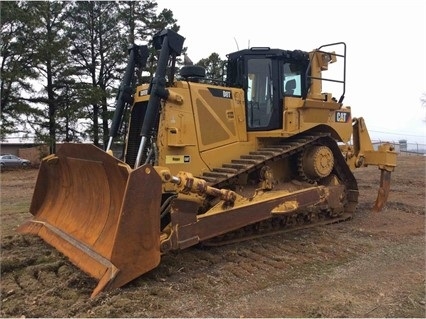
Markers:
point(386, 48)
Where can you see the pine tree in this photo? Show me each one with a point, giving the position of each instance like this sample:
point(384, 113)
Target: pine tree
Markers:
point(98, 49)
point(16, 70)
point(214, 66)
point(50, 62)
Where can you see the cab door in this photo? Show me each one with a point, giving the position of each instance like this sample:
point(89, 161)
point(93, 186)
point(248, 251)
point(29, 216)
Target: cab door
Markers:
point(264, 110)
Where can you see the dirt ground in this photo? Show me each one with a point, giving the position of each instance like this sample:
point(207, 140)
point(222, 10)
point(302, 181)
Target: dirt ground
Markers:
point(370, 266)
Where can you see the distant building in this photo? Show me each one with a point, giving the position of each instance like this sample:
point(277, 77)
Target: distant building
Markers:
point(403, 145)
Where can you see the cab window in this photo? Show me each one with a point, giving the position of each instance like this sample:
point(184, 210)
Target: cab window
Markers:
point(292, 85)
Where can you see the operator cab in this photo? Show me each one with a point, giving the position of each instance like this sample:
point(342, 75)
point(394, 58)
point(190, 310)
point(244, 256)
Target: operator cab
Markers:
point(267, 76)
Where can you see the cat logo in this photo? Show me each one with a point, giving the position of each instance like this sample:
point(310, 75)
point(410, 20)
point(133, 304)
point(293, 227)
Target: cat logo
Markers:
point(342, 117)
point(178, 159)
point(143, 92)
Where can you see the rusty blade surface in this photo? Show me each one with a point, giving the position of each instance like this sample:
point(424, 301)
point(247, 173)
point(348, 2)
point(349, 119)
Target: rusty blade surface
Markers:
point(99, 213)
point(383, 193)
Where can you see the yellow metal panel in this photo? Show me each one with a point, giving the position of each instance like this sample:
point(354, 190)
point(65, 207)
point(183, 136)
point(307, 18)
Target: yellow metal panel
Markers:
point(314, 115)
point(291, 121)
point(218, 120)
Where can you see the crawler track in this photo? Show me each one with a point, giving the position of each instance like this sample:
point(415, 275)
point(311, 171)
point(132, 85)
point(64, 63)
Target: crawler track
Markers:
point(227, 177)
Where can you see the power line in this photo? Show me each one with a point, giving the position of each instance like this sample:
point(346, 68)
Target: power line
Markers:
point(401, 134)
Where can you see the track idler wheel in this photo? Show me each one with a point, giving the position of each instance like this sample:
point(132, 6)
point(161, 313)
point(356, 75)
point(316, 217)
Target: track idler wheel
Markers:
point(315, 163)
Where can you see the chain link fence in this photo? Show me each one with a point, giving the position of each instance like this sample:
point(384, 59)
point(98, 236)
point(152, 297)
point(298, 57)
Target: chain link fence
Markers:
point(404, 147)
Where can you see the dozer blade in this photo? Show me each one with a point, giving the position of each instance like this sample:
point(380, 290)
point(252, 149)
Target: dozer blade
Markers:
point(98, 212)
point(383, 193)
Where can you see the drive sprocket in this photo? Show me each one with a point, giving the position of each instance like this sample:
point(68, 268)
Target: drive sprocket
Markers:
point(315, 163)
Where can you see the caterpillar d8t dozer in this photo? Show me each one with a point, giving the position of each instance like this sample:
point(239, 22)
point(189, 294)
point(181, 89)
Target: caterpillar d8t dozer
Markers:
point(207, 161)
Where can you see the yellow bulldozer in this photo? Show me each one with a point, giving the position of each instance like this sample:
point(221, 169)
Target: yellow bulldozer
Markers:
point(206, 161)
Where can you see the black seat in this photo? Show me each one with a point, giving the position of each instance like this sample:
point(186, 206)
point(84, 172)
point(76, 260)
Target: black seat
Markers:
point(289, 87)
